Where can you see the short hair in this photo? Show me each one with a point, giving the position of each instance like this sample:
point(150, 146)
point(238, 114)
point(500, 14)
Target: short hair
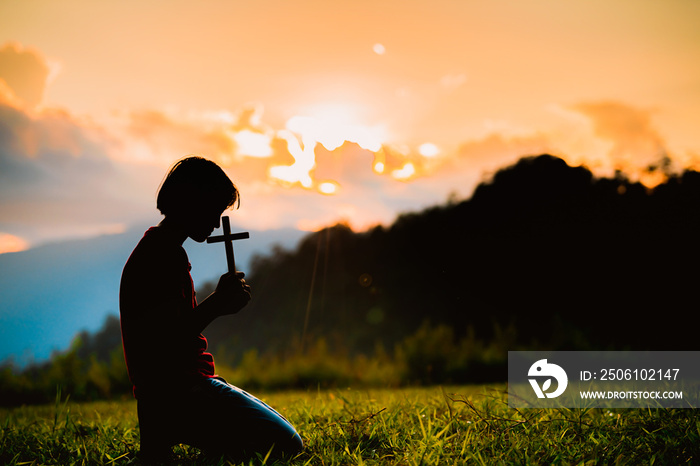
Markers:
point(195, 180)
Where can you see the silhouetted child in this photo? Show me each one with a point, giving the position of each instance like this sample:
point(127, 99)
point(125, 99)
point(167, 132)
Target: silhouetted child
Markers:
point(179, 397)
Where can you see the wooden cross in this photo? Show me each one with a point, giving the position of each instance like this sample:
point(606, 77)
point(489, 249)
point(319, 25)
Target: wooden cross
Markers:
point(228, 240)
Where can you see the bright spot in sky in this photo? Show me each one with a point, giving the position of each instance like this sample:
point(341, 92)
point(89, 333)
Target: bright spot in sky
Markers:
point(379, 49)
point(379, 163)
point(328, 134)
point(404, 172)
point(330, 125)
point(328, 187)
point(304, 161)
point(428, 150)
point(252, 144)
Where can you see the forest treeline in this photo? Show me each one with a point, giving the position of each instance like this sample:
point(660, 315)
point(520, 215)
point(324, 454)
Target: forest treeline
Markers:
point(555, 256)
point(542, 256)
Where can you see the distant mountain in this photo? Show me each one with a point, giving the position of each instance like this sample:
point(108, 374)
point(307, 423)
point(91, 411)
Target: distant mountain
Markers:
point(51, 292)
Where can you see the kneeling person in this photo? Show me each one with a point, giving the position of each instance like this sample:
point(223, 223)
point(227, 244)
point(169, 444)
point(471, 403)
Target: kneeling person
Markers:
point(179, 397)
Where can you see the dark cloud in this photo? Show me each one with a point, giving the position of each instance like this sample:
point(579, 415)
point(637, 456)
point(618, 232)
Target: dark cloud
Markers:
point(47, 157)
point(57, 177)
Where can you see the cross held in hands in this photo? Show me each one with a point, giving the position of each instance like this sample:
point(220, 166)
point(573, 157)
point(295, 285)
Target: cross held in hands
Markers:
point(228, 238)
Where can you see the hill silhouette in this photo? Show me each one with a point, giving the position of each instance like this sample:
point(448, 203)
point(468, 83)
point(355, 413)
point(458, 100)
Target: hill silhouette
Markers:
point(555, 256)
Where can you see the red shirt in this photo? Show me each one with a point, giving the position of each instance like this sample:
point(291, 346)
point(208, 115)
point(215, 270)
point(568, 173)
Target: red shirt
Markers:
point(155, 296)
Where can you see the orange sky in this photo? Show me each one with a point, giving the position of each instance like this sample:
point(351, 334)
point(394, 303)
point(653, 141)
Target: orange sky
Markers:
point(98, 98)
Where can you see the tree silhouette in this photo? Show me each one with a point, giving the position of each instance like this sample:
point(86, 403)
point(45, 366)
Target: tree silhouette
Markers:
point(569, 260)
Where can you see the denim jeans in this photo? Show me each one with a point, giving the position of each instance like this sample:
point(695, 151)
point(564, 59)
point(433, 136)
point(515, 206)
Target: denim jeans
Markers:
point(216, 417)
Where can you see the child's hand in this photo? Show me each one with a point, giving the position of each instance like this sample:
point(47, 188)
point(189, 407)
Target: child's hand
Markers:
point(233, 292)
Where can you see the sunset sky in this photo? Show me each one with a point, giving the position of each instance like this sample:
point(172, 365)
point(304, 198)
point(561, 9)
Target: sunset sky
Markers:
point(326, 111)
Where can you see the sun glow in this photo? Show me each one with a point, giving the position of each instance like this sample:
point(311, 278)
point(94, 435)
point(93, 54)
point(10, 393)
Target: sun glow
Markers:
point(332, 133)
point(12, 243)
point(331, 127)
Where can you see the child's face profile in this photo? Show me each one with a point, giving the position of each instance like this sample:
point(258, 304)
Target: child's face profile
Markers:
point(202, 222)
point(193, 196)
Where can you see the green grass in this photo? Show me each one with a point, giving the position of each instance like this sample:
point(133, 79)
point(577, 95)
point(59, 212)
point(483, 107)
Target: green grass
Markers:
point(427, 426)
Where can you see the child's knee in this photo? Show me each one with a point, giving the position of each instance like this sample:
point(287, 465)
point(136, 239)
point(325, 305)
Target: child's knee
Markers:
point(281, 440)
point(297, 444)
point(290, 446)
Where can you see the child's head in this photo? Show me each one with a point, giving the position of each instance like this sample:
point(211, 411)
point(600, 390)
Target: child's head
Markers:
point(196, 187)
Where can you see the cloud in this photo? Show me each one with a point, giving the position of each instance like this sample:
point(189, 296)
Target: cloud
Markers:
point(457, 173)
point(166, 137)
point(635, 143)
point(496, 150)
point(238, 142)
point(61, 175)
point(25, 73)
point(58, 179)
point(284, 173)
point(61, 172)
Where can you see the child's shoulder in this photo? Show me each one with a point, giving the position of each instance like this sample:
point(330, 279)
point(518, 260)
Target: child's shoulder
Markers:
point(156, 247)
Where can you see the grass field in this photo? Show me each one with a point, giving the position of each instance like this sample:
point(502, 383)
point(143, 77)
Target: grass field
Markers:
point(426, 426)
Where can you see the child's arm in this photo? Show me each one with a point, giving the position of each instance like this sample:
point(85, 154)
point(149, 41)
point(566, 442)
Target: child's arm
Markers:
point(230, 296)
